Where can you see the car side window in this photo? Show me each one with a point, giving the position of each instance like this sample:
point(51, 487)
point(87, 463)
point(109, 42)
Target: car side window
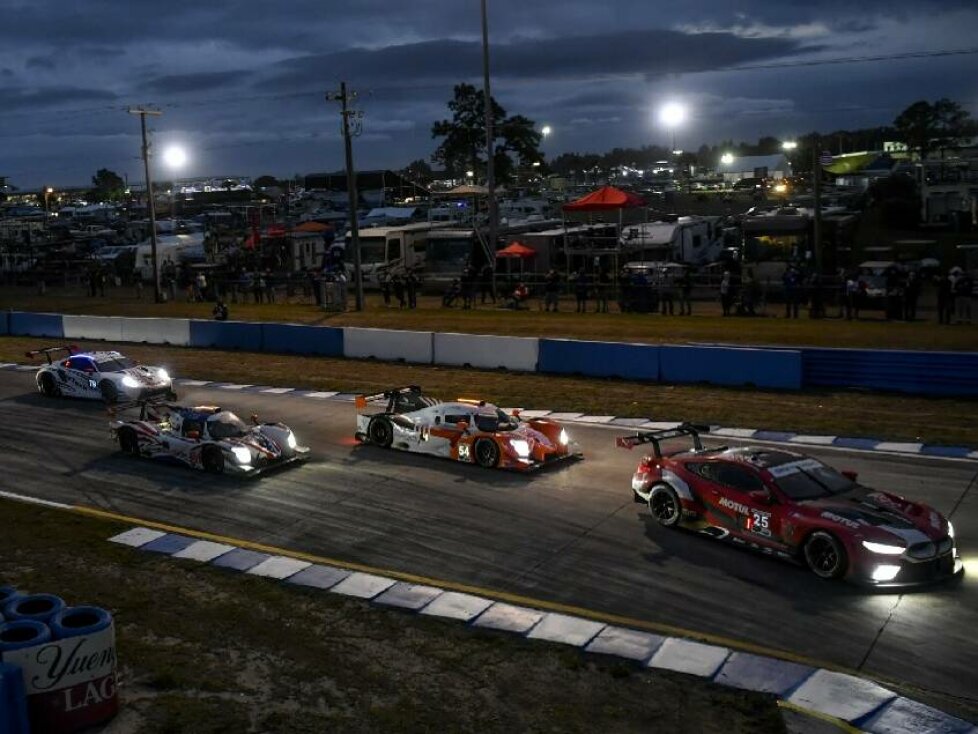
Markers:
point(192, 425)
point(707, 471)
point(82, 364)
point(456, 418)
point(738, 478)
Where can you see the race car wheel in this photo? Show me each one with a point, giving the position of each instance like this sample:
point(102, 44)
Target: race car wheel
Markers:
point(380, 432)
point(110, 393)
point(128, 442)
point(665, 506)
point(48, 386)
point(486, 453)
point(213, 460)
point(825, 555)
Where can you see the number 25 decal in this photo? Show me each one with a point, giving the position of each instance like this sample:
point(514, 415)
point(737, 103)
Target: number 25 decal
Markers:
point(759, 522)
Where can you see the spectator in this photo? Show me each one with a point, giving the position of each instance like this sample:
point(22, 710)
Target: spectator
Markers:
point(100, 279)
point(518, 299)
point(748, 291)
point(200, 286)
point(551, 290)
point(385, 287)
point(581, 282)
point(945, 299)
point(911, 292)
point(92, 283)
point(269, 288)
point(666, 292)
point(139, 286)
point(220, 311)
point(486, 283)
point(790, 279)
point(451, 294)
point(852, 297)
point(469, 277)
point(412, 282)
point(816, 308)
point(398, 285)
point(257, 286)
point(726, 293)
point(603, 289)
point(686, 292)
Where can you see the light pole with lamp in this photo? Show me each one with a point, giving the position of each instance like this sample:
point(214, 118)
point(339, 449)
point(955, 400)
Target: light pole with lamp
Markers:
point(175, 158)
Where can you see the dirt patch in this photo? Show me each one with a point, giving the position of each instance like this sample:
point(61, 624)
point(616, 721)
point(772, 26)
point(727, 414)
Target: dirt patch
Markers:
point(206, 651)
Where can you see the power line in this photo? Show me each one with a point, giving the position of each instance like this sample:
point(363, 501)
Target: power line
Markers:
point(843, 60)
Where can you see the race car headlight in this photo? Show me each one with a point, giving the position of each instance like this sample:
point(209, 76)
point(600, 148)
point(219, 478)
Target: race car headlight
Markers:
point(950, 530)
point(883, 549)
point(129, 381)
point(564, 440)
point(163, 374)
point(242, 454)
point(290, 440)
point(521, 447)
point(885, 572)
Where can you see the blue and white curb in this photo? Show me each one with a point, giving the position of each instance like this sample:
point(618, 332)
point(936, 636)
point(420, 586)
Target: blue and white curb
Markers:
point(859, 703)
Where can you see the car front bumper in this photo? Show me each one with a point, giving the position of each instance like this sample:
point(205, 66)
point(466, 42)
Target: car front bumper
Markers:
point(920, 573)
point(299, 454)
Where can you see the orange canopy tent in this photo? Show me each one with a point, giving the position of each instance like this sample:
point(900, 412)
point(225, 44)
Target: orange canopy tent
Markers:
point(516, 249)
point(605, 198)
point(313, 227)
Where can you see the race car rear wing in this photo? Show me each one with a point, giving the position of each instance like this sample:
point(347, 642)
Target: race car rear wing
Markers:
point(655, 438)
point(388, 395)
point(145, 405)
point(48, 351)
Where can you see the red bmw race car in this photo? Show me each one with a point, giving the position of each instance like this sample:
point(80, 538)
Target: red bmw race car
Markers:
point(792, 505)
point(470, 431)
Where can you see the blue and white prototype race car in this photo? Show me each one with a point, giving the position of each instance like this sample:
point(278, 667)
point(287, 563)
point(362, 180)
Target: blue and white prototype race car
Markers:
point(205, 437)
point(107, 376)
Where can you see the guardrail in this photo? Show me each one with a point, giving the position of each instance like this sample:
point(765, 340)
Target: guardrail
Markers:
point(920, 373)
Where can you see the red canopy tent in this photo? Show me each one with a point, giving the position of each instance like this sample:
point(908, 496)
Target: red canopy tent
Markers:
point(605, 198)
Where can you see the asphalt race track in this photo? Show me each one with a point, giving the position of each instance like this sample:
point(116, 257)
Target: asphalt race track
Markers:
point(570, 534)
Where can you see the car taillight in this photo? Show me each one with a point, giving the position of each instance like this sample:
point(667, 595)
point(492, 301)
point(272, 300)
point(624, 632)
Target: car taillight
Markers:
point(648, 464)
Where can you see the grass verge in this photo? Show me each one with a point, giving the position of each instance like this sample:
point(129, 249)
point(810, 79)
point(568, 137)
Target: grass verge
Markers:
point(707, 326)
point(845, 413)
point(205, 651)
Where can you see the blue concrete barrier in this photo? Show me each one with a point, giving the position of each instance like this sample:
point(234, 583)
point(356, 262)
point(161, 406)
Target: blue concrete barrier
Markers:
point(771, 368)
point(599, 359)
point(920, 373)
point(226, 335)
point(324, 341)
point(13, 701)
point(23, 323)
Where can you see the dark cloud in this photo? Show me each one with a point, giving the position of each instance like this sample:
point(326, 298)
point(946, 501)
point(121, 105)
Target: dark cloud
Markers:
point(24, 98)
point(179, 83)
point(40, 62)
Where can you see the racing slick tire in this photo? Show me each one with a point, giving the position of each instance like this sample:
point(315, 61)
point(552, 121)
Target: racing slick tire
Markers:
point(48, 386)
point(110, 393)
point(128, 442)
point(212, 459)
point(665, 506)
point(380, 432)
point(486, 453)
point(825, 555)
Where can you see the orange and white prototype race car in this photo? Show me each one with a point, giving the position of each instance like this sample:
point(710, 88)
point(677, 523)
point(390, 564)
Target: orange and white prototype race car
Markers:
point(470, 431)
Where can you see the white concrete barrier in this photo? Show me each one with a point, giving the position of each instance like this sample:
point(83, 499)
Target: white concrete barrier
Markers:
point(156, 331)
point(387, 344)
point(108, 328)
point(477, 350)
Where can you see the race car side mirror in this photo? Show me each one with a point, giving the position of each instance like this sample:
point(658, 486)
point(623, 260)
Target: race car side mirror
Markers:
point(761, 496)
point(516, 413)
point(463, 426)
point(195, 435)
point(850, 474)
point(254, 418)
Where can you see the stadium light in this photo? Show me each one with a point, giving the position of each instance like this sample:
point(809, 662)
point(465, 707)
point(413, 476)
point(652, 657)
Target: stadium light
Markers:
point(727, 158)
point(175, 156)
point(789, 144)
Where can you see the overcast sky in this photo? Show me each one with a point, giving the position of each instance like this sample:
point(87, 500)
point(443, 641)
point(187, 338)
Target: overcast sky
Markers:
point(241, 82)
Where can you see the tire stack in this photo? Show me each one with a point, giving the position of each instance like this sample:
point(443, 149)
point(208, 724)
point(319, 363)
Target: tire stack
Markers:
point(57, 664)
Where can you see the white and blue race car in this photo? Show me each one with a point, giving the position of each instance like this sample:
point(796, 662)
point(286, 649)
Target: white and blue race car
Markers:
point(107, 376)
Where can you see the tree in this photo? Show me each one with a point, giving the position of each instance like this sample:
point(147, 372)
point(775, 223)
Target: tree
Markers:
point(419, 171)
point(109, 186)
point(926, 127)
point(516, 140)
point(264, 182)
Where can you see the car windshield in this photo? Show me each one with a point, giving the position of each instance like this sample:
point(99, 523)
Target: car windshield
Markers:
point(226, 425)
point(115, 364)
point(810, 479)
point(497, 421)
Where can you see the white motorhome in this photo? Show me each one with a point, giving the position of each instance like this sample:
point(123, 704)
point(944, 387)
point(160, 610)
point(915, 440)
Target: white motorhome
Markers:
point(168, 247)
point(691, 240)
point(391, 248)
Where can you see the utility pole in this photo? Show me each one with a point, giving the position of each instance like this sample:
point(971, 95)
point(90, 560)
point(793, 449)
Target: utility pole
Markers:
point(142, 112)
point(817, 229)
point(344, 97)
point(490, 152)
